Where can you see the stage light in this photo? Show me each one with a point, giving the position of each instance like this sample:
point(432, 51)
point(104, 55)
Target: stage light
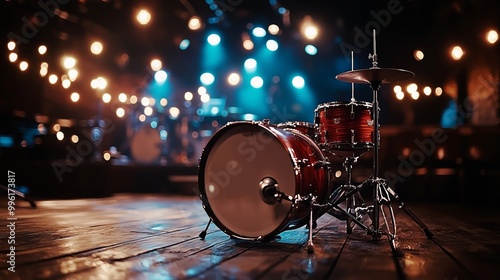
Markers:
point(163, 102)
point(96, 48)
point(153, 124)
point(256, 82)
point(163, 134)
point(143, 17)
point(133, 99)
point(23, 65)
point(106, 97)
point(272, 45)
point(205, 98)
point(42, 49)
point(247, 42)
point(233, 79)
point(66, 83)
point(213, 39)
point(248, 45)
point(184, 44)
point(69, 62)
point(202, 90)
point(148, 111)
point(74, 138)
point(145, 101)
point(122, 97)
point(53, 79)
point(259, 32)
point(207, 78)
point(308, 28)
point(427, 91)
point(56, 127)
point(174, 112)
point(249, 117)
point(99, 83)
point(11, 45)
point(156, 64)
point(298, 82)
point(161, 76)
point(411, 88)
point(457, 53)
point(311, 50)
point(438, 91)
point(415, 95)
point(120, 112)
point(152, 101)
point(273, 29)
point(106, 156)
point(188, 96)
point(492, 36)
point(418, 55)
point(400, 95)
point(250, 65)
point(194, 23)
point(72, 74)
point(142, 118)
point(75, 96)
point(13, 57)
point(60, 135)
point(42, 129)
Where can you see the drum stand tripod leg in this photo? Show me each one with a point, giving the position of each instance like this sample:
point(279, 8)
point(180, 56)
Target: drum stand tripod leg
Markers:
point(204, 232)
point(428, 233)
point(310, 245)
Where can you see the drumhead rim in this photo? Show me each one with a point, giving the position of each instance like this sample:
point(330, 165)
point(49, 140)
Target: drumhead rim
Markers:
point(340, 103)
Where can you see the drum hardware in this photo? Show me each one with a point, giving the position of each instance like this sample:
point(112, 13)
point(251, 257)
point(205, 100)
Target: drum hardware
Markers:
point(382, 193)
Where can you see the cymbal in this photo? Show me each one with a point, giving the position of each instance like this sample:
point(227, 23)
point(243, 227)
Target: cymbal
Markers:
point(375, 75)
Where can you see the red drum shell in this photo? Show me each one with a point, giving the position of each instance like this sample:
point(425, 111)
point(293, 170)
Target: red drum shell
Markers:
point(344, 126)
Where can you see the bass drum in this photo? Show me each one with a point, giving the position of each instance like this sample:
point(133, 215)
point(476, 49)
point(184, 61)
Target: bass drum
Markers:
point(240, 162)
point(146, 145)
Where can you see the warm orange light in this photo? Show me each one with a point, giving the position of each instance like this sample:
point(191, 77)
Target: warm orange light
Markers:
point(457, 53)
point(194, 23)
point(143, 17)
point(492, 36)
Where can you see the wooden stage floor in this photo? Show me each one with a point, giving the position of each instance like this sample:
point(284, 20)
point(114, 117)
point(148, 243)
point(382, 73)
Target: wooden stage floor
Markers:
point(156, 236)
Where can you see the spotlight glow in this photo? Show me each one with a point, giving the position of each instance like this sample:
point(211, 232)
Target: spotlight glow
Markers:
point(272, 45)
point(298, 82)
point(250, 65)
point(161, 76)
point(311, 50)
point(259, 32)
point(207, 78)
point(256, 82)
point(213, 39)
point(233, 79)
point(492, 36)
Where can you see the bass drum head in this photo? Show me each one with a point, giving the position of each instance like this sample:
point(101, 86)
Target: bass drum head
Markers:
point(234, 162)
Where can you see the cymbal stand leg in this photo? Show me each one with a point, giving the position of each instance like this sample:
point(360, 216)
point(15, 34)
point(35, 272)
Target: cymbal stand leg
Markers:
point(310, 245)
point(350, 202)
point(428, 233)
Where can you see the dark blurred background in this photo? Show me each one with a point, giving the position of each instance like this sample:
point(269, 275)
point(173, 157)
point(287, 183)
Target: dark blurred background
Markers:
point(95, 102)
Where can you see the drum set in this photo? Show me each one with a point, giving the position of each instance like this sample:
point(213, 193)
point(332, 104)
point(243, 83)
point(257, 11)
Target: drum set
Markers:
point(257, 179)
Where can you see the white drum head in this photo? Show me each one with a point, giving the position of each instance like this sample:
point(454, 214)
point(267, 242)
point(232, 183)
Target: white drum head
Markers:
point(240, 158)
